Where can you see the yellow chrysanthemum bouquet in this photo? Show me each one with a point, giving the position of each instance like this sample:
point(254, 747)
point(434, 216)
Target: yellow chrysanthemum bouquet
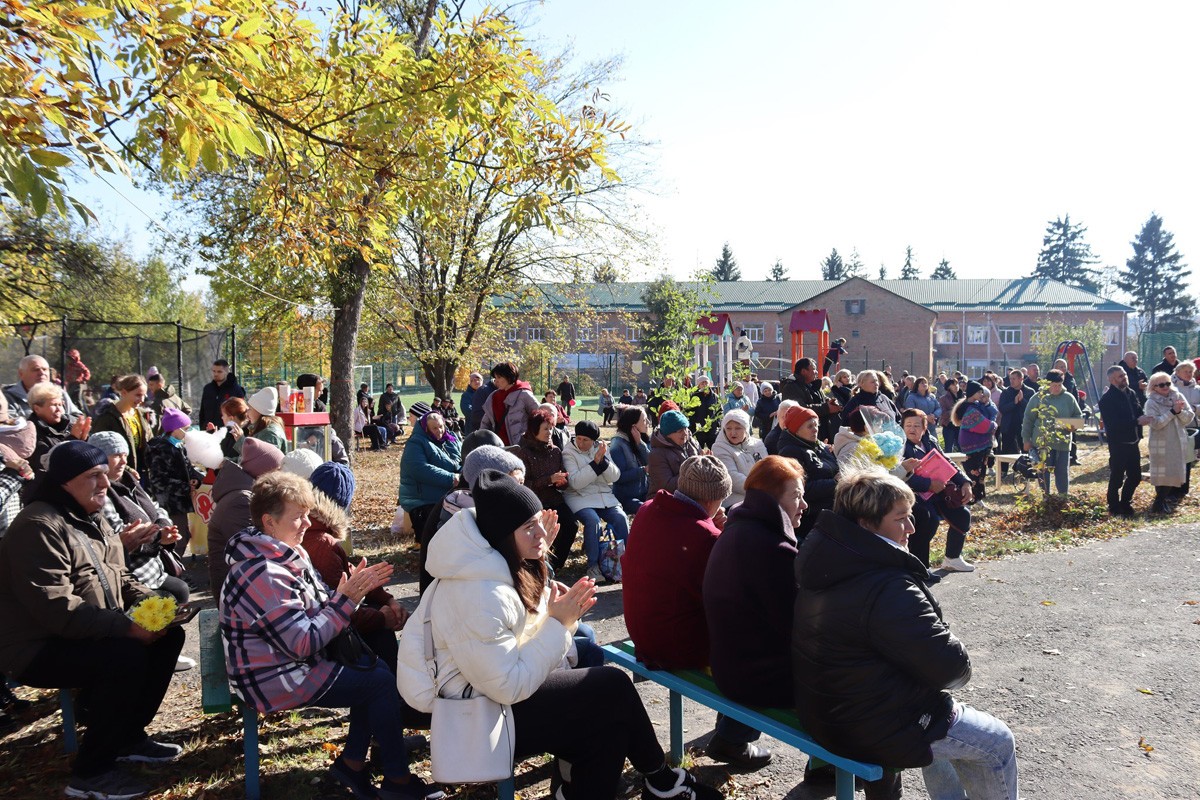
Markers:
point(154, 613)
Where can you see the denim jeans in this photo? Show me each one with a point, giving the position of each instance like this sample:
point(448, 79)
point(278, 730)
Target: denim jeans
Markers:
point(376, 712)
point(590, 654)
point(618, 523)
point(1058, 463)
point(976, 759)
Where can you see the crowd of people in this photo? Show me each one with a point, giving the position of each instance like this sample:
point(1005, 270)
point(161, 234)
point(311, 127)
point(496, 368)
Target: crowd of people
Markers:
point(708, 507)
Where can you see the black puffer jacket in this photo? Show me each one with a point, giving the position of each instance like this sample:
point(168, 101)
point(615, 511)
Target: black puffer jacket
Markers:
point(820, 467)
point(871, 656)
point(811, 396)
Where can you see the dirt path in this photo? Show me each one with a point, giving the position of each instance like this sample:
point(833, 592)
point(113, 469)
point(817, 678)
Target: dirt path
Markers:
point(1062, 643)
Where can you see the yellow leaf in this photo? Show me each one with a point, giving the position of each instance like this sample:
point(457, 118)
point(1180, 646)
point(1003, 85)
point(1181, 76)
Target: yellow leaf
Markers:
point(1146, 691)
point(1047, 602)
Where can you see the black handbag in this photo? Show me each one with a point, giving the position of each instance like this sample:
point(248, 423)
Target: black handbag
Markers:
point(349, 649)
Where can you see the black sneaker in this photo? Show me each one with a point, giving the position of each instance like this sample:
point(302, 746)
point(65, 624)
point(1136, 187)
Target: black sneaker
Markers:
point(685, 788)
point(112, 785)
point(415, 789)
point(149, 751)
point(357, 781)
point(416, 743)
point(747, 756)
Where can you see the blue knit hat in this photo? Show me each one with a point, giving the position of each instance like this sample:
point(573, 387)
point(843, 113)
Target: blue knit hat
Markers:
point(335, 481)
point(672, 421)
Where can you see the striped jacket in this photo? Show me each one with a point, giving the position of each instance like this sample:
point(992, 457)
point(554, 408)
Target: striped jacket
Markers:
point(276, 617)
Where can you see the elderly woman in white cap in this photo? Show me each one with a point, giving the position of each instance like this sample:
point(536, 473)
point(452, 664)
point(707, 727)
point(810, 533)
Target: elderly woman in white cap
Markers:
point(738, 450)
point(591, 474)
point(64, 592)
point(264, 425)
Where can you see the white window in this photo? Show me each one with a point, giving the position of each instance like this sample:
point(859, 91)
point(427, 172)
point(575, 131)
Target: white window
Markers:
point(511, 334)
point(1010, 334)
point(608, 333)
point(856, 306)
point(1112, 335)
point(947, 334)
point(535, 334)
point(633, 333)
point(755, 333)
point(977, 334)
point(778, 332)
point(587, 334)
point(1035, 336)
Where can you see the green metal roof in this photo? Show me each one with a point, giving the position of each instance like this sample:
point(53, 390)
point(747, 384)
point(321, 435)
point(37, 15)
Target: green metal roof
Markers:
point(966, 294)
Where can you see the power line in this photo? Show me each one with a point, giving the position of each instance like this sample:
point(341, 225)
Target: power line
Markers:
point(158, 223)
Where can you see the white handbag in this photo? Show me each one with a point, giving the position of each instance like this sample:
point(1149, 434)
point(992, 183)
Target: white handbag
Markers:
point(471, 738)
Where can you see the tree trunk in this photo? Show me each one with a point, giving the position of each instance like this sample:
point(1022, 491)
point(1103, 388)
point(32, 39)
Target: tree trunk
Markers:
point(350, 286)
point(440, 374)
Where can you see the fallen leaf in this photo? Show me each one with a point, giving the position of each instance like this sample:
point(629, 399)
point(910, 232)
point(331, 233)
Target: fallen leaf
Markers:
point(1047, 602)
point(1146, 748)
point(329, 747)
point(1052, 652)
point(1191, 602)
point(1146, 691)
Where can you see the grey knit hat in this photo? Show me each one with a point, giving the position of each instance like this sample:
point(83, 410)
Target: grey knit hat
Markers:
point(704, 478)
point(111, 442)
point(489, 457)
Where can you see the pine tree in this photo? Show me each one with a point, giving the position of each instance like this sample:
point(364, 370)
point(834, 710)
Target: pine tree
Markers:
point(883, 272)
point(1156, 278)
point(855, 267)
point(944, 272)
point(832, 268)
point(606, 273)
point(726, 268)
point(777, 273)
point(1066, 257)
point(909, 271)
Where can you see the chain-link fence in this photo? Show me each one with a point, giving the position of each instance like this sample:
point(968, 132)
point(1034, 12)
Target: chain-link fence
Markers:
point(109, 348)
point(1150, 346)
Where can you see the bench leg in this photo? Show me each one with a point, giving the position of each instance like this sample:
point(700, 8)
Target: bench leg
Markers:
point(676, 728)
point(250, 751)
point(506, 789)
point(845, 785)
point(70, 740)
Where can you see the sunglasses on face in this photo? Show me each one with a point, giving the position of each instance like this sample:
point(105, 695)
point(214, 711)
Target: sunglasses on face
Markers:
point(1161, 385)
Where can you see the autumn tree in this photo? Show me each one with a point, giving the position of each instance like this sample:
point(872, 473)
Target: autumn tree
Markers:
point(672, 309)
point(943, 272)
point(1157, 280)
point(1066, 256)
point(908, 272)
point(726, 268)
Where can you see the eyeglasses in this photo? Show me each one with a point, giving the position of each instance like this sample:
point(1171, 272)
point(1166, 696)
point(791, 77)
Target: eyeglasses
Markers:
point(1162, 385)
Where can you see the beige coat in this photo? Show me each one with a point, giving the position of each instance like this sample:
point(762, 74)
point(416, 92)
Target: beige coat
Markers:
point(1171, 449)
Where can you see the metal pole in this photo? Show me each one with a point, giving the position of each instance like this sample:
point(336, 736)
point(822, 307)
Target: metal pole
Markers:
point(233, 350)
point(179, 357)
point(62, 352)
point(138, 339)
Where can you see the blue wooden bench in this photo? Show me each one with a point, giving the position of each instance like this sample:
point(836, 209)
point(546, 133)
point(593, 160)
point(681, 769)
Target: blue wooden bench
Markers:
point(216, 697)
point(779, 723)
point(66, 702)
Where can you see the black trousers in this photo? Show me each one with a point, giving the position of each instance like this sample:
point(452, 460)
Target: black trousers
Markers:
point(124, 680)
point(175, 587)
point(385, 645)
point(1010, 444)
point(976, 466)
point(568, 531)
point(594, 719)
point(926, 522)
point(1124, 472)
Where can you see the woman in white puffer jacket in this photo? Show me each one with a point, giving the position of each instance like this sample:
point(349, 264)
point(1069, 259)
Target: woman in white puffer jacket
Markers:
point(591, 474)
point(501, 629)
point(738, 451)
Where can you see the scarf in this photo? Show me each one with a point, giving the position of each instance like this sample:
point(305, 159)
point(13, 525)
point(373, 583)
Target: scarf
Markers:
point(446, 436)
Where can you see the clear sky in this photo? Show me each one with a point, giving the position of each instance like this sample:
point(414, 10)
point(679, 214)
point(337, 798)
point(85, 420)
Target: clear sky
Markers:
point(960, 128)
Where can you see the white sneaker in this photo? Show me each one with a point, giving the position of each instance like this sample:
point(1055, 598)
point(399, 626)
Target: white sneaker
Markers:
point(183, 664)
point(957, 565)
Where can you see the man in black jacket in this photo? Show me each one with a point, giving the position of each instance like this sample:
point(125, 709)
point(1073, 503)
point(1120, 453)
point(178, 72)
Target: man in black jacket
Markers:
point(873, 660)
point(224, 386)
point(1169, 362)
point(1122, 419)
point(805, 389)
point(1135, 375)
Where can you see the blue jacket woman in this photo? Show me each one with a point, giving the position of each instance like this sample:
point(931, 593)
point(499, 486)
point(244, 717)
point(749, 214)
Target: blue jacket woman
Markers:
point(429, 468)
point(630, 451)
